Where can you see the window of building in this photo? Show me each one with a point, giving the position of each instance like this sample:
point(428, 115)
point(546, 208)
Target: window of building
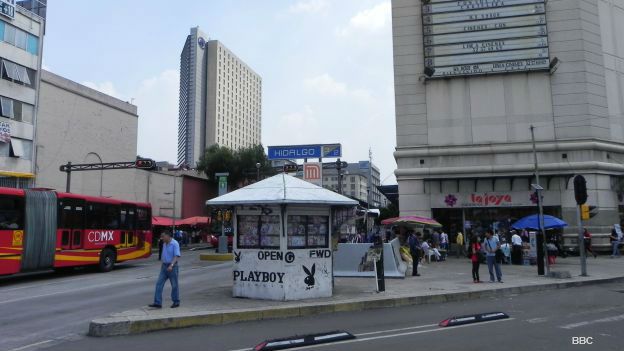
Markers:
point(19, 38)
point(6, 107)
point(17, 73)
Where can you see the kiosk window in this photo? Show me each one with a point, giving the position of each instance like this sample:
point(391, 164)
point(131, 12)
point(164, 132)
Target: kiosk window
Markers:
point(258, 232)
point(308, 232)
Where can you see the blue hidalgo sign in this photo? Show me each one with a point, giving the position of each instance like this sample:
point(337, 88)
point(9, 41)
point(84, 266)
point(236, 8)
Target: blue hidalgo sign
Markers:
point(290, 152)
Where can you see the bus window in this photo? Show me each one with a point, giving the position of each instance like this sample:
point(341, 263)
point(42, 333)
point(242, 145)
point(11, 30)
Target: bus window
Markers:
point(127, 217)
point(112, 214)
point(144, 218)
point(11, 213)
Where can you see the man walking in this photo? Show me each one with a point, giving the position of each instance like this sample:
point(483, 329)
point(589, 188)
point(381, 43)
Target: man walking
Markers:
point(614, 238)
point(492, 244)
point(459, 240)
point(168, 271)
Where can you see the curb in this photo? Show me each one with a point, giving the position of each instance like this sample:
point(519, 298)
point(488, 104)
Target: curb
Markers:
point(216, 257)
point(114, 326)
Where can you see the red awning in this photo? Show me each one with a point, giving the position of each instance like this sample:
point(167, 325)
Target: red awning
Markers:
point(162, 221)
point(197, 220)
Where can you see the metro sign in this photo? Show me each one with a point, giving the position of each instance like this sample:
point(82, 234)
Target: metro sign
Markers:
point(313, 173)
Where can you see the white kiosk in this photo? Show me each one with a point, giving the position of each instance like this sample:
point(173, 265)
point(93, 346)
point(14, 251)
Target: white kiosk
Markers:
point(282, 238)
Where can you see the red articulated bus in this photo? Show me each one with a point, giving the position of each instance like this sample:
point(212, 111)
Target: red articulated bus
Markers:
point(42, 229)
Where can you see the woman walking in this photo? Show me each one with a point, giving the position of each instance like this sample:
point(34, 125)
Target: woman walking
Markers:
point(587, 242)
point(475, 248)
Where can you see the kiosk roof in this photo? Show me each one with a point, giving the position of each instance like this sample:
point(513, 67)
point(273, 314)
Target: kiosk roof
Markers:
point(282, 189)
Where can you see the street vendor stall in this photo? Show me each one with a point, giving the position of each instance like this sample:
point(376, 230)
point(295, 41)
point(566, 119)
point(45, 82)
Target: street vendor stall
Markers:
point(282, 238)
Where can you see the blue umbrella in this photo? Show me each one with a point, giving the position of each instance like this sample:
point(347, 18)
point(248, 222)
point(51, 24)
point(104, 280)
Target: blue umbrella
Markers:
point(532, 222)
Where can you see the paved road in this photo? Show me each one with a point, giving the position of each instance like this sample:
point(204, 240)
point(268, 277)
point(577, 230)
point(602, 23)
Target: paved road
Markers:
point(539, 321)
point(45, 309)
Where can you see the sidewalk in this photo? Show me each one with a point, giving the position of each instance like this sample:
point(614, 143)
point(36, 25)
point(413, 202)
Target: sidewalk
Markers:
point(439, 282)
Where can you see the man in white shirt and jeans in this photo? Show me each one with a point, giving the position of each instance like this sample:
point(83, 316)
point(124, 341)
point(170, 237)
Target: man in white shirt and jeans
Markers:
point(516, 248)
point(491, 244)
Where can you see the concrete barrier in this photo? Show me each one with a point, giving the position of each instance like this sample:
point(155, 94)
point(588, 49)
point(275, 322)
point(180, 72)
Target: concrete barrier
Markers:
point(348, 257)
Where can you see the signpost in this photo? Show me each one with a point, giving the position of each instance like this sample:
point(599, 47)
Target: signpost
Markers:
point(482, 37)
point(223, 244)
point(291, 152)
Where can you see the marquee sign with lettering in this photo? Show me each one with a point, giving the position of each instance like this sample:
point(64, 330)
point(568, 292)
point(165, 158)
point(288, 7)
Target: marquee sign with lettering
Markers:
point(473, 37)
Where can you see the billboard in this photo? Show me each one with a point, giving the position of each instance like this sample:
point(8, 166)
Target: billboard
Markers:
point(475, 37)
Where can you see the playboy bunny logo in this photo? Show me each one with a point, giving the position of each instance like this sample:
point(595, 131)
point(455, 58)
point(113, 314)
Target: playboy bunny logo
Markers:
point(309, 280)
point(237, 256)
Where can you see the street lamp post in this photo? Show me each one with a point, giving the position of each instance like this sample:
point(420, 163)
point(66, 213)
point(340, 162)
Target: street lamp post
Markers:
point(174, 205)
point(539, 188)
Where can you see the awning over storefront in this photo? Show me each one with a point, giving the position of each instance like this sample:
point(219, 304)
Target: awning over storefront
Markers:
point(194, 221)
point(168, 222)
point(162, 221)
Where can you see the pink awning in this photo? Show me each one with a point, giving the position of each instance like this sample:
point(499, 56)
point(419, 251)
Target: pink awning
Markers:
point(411, 220)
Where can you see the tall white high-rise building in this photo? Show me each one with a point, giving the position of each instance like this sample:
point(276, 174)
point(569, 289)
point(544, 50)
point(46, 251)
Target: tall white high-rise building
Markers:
point(220, 99)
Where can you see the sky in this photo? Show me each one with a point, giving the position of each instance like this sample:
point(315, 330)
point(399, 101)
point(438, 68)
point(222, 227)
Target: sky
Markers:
point(326, 65)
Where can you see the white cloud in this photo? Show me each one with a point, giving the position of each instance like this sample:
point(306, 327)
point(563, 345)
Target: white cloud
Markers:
point(157, 102)
point(309, 6)
point(370, 20)
point(325, 84)
point(104, 87)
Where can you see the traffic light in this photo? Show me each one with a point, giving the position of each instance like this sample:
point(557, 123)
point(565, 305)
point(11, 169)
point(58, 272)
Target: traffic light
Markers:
point(593, 211)
point(143, 163)
point(584, 212)
point(290, 168)
point(588, 212)
point(580, 190)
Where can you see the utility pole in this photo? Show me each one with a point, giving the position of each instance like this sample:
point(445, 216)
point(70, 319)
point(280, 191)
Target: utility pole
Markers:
point(368, 185)
point(339, 169)
point(539, 188)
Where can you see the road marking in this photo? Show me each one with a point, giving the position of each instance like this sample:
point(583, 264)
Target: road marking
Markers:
point(32, 345)
point(396, 330)
point(391, 335)
point(120, 282)
point(595, 321)
point(537, 320)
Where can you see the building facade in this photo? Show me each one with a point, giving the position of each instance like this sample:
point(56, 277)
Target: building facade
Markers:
point(220, 99)
point(80, 125)
point(355, 183)
point(464, 144)
point(21, 42)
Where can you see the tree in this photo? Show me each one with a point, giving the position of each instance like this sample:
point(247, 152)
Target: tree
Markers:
point(388, 212)
point(241, 164)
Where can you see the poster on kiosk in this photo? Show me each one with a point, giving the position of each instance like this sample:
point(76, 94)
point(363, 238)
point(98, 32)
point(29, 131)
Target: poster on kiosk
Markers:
point(282, 238)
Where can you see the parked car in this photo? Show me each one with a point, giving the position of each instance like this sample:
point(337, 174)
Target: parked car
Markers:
point(213, 239)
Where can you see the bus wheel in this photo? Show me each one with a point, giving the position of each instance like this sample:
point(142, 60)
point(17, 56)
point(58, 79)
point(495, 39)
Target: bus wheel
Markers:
point(107, 260)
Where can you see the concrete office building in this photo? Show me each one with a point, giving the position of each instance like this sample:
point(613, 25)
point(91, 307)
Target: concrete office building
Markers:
point(80, 125)
point(464, 149)
point(220, 99)
point(21, 40)
point(355, 183)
